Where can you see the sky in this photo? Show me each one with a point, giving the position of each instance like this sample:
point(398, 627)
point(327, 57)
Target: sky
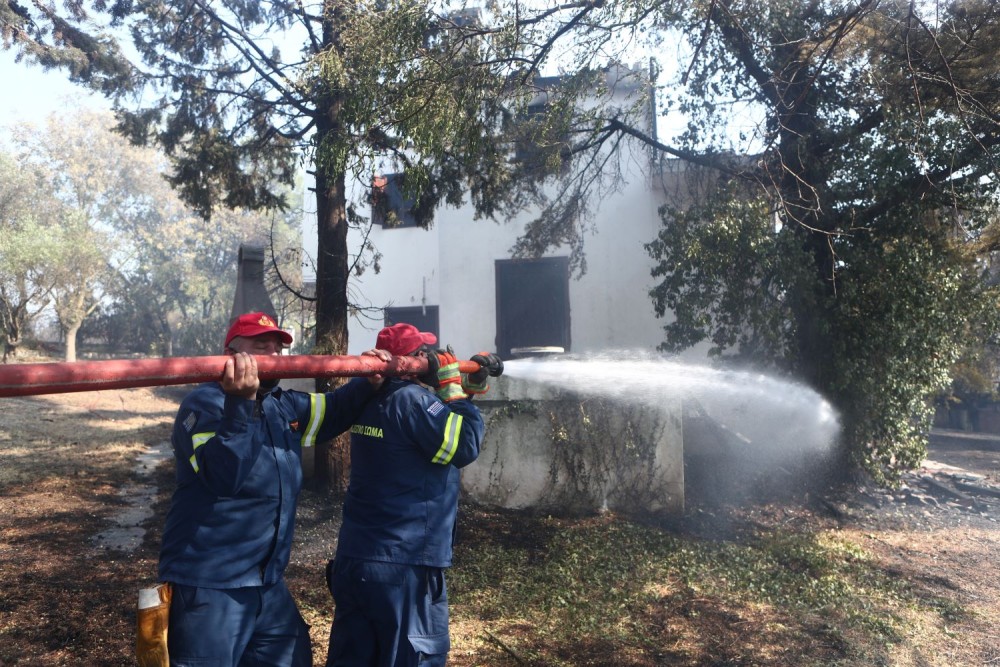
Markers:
point(31, 93)
point(38, 93)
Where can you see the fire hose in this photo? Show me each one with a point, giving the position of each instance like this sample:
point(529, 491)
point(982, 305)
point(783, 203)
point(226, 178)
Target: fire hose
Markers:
point(66, 377)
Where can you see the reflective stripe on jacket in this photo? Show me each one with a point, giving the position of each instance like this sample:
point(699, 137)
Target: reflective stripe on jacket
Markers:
point(406, 451)
point(239, 473)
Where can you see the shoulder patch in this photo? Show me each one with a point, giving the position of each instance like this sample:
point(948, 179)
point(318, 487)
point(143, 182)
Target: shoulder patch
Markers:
point(435, 408)
point(190, 421)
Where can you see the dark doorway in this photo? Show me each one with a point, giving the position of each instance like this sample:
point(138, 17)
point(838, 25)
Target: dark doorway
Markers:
point(532, 303)
point(424, 318)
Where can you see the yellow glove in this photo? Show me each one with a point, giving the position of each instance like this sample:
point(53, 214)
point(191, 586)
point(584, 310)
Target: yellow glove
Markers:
point(449, 378)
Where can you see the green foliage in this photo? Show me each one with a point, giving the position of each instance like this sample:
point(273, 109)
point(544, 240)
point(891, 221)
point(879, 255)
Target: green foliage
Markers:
point(908, 303)
point(849, 252)
point(231, 117)
point(24, 286)
point(738, 304)
point(840, 237)
point(241, 95)
point(874, 140)
point(223, 122)
point(65, 41)
point(415, 94)
point(355, 88)
point(905, 313)
point(90, 223)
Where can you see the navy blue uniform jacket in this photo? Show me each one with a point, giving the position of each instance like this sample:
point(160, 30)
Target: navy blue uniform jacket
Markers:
point(239, 473)
point(406, 450)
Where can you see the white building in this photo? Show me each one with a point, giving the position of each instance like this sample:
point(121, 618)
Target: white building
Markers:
point(458, 279)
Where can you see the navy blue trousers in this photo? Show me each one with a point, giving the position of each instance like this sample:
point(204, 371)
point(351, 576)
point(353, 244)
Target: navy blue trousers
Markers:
point(387, 615)
point(257, 626)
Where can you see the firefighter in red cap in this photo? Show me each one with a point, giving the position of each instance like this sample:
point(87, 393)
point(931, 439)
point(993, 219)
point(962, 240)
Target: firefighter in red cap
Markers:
point(387, 577)
point(228, 533)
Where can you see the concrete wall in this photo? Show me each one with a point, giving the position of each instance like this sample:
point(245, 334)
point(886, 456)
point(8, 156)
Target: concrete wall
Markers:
point(549, 450)
point(974, 418)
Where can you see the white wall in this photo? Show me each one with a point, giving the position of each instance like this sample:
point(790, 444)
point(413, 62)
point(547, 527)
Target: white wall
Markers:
point(452, 266)
point(519, 465)
point(410, 277)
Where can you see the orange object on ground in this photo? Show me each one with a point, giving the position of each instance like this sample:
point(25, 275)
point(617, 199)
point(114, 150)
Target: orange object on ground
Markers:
point(152, 620)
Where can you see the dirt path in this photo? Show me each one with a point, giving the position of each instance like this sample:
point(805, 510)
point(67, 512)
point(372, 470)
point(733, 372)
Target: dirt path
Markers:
point(941, 532)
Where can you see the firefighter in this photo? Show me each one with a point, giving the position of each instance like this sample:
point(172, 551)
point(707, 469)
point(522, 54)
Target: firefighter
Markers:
point(387, 576)
point(228, 533)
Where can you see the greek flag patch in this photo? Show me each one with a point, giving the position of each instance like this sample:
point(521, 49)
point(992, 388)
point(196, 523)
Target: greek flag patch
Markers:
point(436, 407)
point(190, 421)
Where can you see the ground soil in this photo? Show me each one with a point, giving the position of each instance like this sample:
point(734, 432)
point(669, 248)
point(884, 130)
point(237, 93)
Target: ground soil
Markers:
point(72, 473)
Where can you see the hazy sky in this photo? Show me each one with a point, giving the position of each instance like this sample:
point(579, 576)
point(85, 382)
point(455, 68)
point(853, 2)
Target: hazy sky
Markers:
point(31, 94)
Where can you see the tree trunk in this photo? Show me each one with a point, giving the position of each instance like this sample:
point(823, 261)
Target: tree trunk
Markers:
point(804, 168)
point(168, 339)
point(70, 333)
point(331, 266)
point(14, 320)
point(332, 459)
point(12, 340)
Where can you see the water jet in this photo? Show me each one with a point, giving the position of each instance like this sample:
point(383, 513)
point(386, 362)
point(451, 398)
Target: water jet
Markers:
point(653, 430)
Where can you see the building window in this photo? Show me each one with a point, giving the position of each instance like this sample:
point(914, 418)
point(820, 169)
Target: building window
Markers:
point(532, 304)
point(541, 137)
point(424, 318)
point(390, 207)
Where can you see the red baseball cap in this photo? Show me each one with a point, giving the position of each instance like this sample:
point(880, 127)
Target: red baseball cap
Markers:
point(256, 324)
point(402, 339)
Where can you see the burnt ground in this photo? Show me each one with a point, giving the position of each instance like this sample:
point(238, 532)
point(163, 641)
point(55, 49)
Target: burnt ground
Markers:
point(72, 468)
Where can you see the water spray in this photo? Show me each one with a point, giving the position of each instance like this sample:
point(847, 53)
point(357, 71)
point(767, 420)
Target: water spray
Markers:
point(778, 416)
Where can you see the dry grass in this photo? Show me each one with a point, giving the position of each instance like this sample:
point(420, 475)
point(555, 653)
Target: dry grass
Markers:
point(63, 460)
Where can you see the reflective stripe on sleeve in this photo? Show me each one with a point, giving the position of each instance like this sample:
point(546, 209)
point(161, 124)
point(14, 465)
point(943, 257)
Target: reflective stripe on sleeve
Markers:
point(452, 429)
point(317, 411)
point(197, 440)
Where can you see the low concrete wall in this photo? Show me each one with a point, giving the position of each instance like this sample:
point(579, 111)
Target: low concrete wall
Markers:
point(551, 450)
point(977, 419)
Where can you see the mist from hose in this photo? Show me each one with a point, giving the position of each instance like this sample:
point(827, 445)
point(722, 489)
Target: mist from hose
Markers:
point(743, 421)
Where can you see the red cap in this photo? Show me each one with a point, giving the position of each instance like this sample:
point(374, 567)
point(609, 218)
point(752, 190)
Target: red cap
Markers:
point(256, 324)
point(402, 339)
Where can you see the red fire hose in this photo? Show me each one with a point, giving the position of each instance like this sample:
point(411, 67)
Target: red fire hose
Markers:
point(65, 377)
